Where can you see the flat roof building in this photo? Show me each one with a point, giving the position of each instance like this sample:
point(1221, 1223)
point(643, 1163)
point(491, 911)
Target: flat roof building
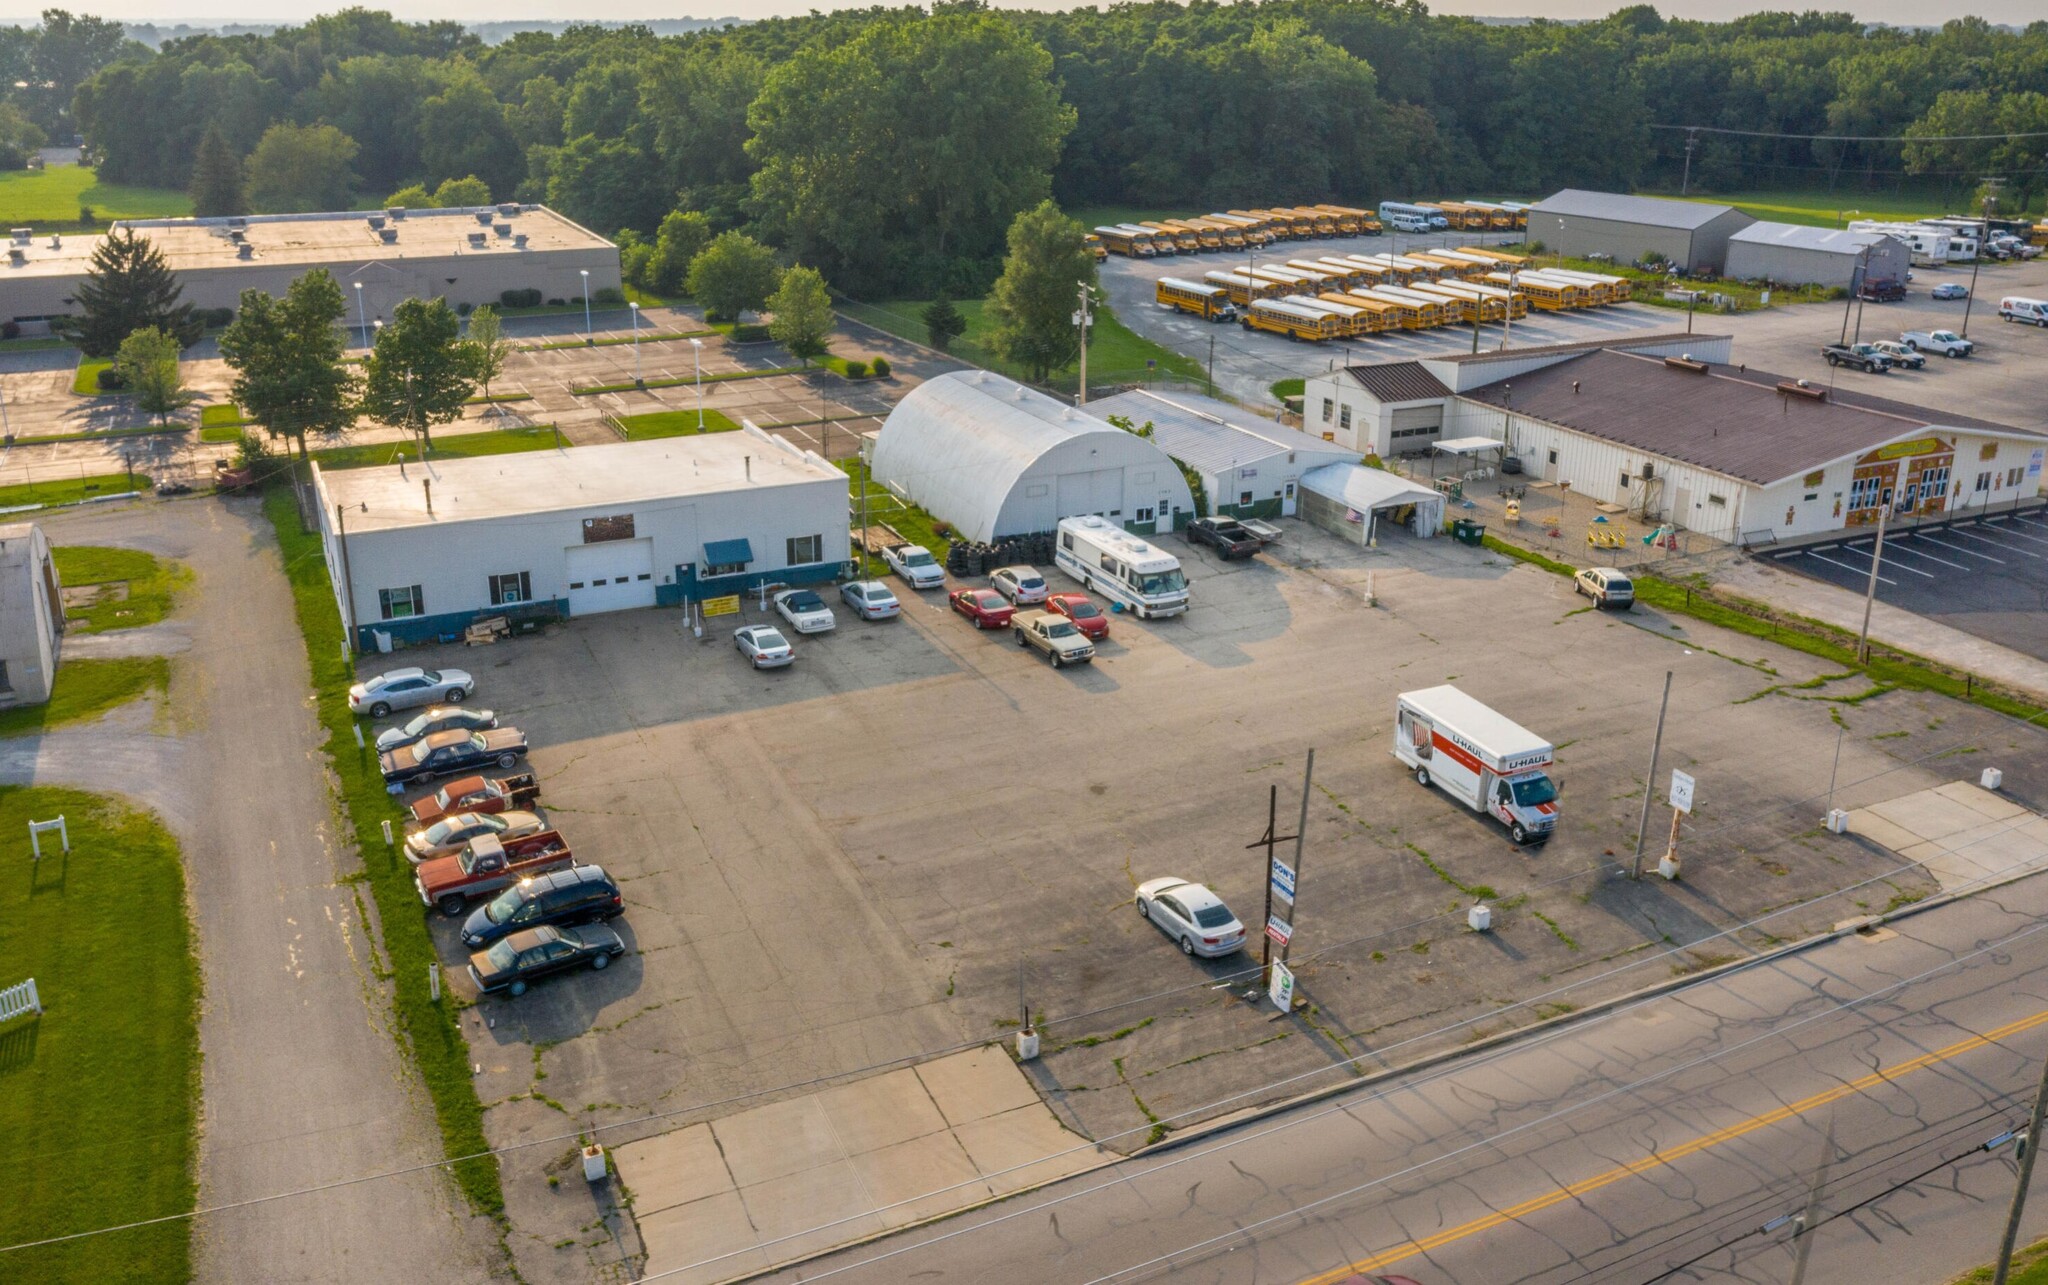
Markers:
point(1250, 467)
point(470, 255)
point(1692, 234)
point(1792, 254)
point(418, 552)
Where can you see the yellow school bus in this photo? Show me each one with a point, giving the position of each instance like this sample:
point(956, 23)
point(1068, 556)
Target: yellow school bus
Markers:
point(1278, 317)
point(1125, 242)
point(1242, 289)
point(1206, 300)
point(1095, 246)
point(1376, 316)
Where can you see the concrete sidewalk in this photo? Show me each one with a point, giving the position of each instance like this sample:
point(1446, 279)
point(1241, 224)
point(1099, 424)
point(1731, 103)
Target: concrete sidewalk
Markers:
point(805, 1174)
point(1962, 834)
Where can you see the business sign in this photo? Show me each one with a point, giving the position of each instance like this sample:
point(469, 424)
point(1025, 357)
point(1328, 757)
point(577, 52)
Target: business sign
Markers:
point(1280, 989)
point(1681, 791)
point(728, 606)
point(1279, 929)
point(1283, 879)
point(2035, 461)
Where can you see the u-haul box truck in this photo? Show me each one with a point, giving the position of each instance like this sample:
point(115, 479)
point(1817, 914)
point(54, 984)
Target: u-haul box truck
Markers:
point(1479, 757)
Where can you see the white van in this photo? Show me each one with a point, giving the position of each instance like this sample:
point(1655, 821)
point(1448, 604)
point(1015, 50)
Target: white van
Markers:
point(1479, 757)
point(2032, 311)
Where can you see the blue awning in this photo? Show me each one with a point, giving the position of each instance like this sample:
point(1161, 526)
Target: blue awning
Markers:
point(726, 553)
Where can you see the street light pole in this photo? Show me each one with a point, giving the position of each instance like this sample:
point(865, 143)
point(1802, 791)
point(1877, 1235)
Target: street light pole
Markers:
point(697, 360)
point(1083, 320)
point(2029, 1147)
point(639, 376)
point(588, 336)
point(362, 321)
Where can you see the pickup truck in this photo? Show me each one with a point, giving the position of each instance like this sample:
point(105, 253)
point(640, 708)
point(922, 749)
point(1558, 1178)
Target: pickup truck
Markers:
point(1946, 342)
point(1230, 539)
point(477, 794)
point(915, 564)
point(1058, 637)
point(486, 866)
point(1860, 356)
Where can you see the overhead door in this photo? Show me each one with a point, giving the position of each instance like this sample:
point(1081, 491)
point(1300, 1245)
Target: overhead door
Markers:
point(1415, 427)
point(1100, 491)
point(610, 576)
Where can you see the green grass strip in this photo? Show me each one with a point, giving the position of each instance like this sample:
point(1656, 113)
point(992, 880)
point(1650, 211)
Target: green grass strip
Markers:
point(429, 1031)
point(498, 399)
point(507, 441)
point(673, 423)
point(105, 435)
point(610, 341)
point(690, 380)
point(85, 381)
point(69, 490)
point(87, 688)
point(152, 585)
point(100, 1096)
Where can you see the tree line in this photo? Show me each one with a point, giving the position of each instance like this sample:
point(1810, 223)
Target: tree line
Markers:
point(893, 147)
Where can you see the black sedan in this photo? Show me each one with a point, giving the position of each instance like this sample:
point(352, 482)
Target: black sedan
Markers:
point(452, 753)
point(509, 964)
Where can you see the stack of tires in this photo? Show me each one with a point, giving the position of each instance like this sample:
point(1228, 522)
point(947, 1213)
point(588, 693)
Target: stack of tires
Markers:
point(975, 558)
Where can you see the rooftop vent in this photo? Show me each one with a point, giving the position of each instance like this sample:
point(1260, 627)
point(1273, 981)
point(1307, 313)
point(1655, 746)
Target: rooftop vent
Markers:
point(483, 216)
point(237, 235)
point(395, 211)
point(56, 242)
point(502, 229)
point(22, 236)
point(1686, 363)
point(245, 251)
point(519, 242)
point(375, 220)
point(387, 235)
point(1800, 388)
point(237, 221)
point(507, 209)
point(17, 256)
point(476, 240)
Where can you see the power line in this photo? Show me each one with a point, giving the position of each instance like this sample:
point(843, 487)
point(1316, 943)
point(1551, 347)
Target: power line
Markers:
point(1856, 138)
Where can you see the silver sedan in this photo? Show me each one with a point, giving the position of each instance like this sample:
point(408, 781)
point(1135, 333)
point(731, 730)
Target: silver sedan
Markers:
point(763, 646)
point(1192, 916)
point(409, 689)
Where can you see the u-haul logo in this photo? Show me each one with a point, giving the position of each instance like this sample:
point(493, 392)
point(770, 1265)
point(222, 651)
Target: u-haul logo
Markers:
point(1522, 762)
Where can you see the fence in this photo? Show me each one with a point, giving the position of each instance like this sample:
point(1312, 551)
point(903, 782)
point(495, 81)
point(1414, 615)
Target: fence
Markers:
point(20, 999)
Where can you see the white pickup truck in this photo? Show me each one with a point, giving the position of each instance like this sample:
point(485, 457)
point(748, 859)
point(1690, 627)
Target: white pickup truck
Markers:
point(1946, 342)
point(915, 564)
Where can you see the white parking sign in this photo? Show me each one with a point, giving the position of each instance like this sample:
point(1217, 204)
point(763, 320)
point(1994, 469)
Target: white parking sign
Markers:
point(1681, 791)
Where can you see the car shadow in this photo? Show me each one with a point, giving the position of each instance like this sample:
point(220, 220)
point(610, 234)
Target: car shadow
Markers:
point(554, 1008)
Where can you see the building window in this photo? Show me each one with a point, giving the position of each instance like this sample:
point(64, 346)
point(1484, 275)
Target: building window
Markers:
point(1344, 417)
point(805, 549)
point(1863, 492)
point(510, 587)
point(1141, 515)
point(1718, 501)
point(2013, 475)
point(1244, 497)
point(1983, 481)
point(1934, 483)
point(6, 685)
point(1326, 410)
point(1553, 456)
point(719, 569)
point(397, 604)
point(1624, 479)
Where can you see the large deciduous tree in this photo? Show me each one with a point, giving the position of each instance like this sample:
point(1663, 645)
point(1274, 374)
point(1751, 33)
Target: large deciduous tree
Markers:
point(420, 372)
point(683, 236)
point(127, 287)
point(1032, 305)
point(286, 355)
point(489, 350)
point(301, 169)
point(802, 313)
point(216, 177)
point(463, 131)
point(735, 274)
point(148, 363)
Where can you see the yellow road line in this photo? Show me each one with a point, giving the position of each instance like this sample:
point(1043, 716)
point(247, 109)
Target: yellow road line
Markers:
point(1409, 1249)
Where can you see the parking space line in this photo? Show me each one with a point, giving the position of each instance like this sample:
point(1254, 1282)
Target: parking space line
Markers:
point(1996, 544)
point(1957, 548)
point(1860, 571)
point(1902, 549)
point(1897, 558)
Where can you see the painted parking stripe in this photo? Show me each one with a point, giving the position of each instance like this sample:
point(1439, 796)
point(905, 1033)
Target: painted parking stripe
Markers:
point(1996, 544)
point(1860, 571)
point(1901, 557)
point(2022, 535)
point(1961, 550)
point(1901, 549)
point(1891, 561)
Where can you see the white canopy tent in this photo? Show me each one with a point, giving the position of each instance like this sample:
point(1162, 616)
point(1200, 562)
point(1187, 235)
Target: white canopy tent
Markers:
point(1348, 499)
point(1468, 445)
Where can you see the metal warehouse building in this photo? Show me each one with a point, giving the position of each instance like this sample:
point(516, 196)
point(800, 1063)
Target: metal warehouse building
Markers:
point(1791, 254)
point(1691, 234)
point(1250, 467)
point(995, 458)
point(419, 552)
point(470, 255)
point(31, 615)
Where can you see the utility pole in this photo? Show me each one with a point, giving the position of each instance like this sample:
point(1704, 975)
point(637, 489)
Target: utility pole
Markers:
point(1083, 320)
point(1855, 288)
point(1807, 1216)
point(1308, 776)
point(1990, 204)
point(1212, 363)
point(1692, 138)
point(1267, 841)
point(1650, 783)
point(1884, 513)
point(2019, 1191)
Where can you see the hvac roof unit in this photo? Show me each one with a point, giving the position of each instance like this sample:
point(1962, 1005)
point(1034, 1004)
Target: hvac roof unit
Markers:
point(56, 241)
point(519, 241)
point(388, 236)
point(237, 221)
point(375, 220)
point(502, 229)
point(1800, 388)
point(395, 211)
point(507, 209)
point(17, 256)
point(476, 240)
point(244, 250)
point(22, 236)
point(483, 216)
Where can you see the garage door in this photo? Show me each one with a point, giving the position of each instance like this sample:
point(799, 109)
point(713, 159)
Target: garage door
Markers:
point(610, 576)
point(1100, 491)
point(1416, 427)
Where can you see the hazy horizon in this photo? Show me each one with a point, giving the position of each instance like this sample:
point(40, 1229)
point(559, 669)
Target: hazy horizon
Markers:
point(206, 13)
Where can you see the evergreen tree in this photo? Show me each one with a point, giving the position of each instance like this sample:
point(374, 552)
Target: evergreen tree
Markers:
point(1032, 305)
point(421, 372)
point(216, 177)
point(129, 286)
point(943, 322)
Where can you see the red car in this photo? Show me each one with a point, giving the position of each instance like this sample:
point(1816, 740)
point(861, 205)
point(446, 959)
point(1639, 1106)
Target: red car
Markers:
point(985, 607)
point(1081, 609)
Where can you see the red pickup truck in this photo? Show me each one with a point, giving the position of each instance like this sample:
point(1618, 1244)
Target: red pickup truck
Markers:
point(487, 865)
point(477, 794)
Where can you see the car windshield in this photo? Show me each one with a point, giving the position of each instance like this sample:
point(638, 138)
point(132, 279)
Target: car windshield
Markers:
point(806, 601)
point(1162, 582)
point(418, 726)
point(501, 955)
point(918, 559)
point(1061, 629)
point(1083, 610)
point(1945, 336)
point(1533, 791)
point(504, 906)
point(1213, 916)
point(420, 750)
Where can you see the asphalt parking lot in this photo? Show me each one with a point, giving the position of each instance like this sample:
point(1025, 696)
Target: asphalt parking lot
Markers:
point(1984, 575)
point(855, 859)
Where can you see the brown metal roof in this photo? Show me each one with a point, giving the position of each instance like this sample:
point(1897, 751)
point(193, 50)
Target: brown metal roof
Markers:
point(1729, 420)
point(1398, 381)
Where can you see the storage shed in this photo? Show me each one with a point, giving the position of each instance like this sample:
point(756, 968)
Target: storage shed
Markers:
point(31, 615)
point(1250, 467)
point(995, 458)
point(418, 552)
point(1351, 500)
point(1794, 255)
point(1579, 223)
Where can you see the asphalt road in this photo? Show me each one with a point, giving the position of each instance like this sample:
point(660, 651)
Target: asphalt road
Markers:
point(1620, 1149)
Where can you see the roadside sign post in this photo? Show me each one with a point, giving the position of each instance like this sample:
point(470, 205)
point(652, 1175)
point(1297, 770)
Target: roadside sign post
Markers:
point(1680, 795)
point(1282, 880)
point(1281, 990)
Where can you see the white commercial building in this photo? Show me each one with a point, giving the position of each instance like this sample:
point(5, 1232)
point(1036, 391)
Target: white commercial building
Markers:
point(1791, 254)
point(31, 615)
point(416, 553)
point(995, 458)
point(1250, 467)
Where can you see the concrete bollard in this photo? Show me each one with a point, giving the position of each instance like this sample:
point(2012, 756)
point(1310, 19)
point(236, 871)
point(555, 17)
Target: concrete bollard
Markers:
point(1992, 778)
point(1668, 867)
point(358, 730)
point(1480, 918)
point(1027, 1045)
point(594, 1169)
point(387, 834)
point(1838, 822)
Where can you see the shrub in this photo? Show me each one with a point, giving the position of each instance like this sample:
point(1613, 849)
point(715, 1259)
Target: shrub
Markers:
point(750, 334)
point(856, 369)
point(10, 330)
point(1655, 259)
point(528, 298)
point(556, 303)
point(608, 297)
point(86, 215)
point(111, 380)
point(214, 318)
point(881, 368)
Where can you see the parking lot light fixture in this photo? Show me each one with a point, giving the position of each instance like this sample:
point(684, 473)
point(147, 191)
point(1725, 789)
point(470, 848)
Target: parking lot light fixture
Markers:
point(588, 337)
point(697, 361)
point(362, 323)
point(639, 376)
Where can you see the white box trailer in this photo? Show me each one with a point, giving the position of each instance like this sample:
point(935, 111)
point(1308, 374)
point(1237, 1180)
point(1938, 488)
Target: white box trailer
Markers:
point(1478, 756)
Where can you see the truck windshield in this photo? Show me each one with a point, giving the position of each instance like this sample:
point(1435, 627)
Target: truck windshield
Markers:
point(917, 559)
point(1534, 790)
point(1161, 582)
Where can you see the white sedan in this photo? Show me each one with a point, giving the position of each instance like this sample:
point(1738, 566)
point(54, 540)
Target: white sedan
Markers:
point(805, 611)
point(763, 646)
point(1023, 586)
point(870, 599)
point(1192, 916)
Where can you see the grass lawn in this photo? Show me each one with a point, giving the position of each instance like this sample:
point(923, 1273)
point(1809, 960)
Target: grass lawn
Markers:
point(908, 521)
point(42, 343)
point(2030, 1267)
point(221, 423)
point(504, 441)
point(1282, 389)
point(87, 689)
point(98, 1108)
point(672, 423)
point(1115, 353)
point(152, 586)
point(1827, 209)
point(85, 381)
point(48, 200)
point(613, 341)
point(1650, 287)
point(427, 1030)
point(64, 490)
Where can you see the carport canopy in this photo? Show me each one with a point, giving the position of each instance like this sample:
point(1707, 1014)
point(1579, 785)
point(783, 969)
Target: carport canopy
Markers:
point(1365, 490)
point(1468, 445)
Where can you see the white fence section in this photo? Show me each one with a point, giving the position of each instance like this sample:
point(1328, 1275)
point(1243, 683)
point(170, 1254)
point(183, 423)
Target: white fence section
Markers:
point(17, 1000)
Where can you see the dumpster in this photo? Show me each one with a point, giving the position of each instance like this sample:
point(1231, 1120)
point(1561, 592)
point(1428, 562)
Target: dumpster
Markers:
point(1466, 531)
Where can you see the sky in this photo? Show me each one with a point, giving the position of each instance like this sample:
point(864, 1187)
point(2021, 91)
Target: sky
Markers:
point(170, 12)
